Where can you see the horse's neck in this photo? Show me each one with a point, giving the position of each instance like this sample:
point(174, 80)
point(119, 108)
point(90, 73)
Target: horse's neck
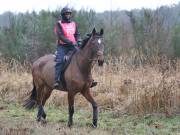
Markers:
point(85, 60)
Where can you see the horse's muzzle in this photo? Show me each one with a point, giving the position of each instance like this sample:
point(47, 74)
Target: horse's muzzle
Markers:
point(100, 58)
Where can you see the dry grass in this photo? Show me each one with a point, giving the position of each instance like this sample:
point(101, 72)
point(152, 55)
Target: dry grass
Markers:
point(122, 87)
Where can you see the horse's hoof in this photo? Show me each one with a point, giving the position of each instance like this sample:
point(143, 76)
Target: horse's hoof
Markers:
point(44, 116)
point(38, 119)
point(70, 124)
point(43, 121)
point(94, 125)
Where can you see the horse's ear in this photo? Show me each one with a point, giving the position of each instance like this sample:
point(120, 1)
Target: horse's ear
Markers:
point(93, 31)
point(101, 32)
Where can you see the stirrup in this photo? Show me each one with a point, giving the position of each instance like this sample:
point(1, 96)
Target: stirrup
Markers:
point(56, 85)
point(93, 84)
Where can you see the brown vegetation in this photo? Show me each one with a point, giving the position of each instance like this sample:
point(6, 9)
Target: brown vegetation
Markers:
point(121, 88)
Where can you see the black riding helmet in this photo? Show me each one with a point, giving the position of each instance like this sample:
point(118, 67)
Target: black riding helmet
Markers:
point(64, 11)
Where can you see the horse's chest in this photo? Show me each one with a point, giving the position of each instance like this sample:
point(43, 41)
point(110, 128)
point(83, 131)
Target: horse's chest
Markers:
point(76, 80)
point(79, 84)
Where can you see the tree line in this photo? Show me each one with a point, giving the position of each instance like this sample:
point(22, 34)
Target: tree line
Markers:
point(27, 36)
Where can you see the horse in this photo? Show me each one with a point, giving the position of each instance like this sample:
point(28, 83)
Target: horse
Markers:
point(77, 77)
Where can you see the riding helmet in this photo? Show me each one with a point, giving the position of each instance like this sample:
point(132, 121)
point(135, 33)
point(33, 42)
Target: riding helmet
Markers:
point(64, 11)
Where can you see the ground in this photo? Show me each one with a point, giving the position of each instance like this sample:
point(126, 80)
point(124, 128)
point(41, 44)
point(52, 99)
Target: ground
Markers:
point(15, 120)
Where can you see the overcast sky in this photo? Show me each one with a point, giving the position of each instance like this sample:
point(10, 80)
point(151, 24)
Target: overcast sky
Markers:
point(97, 5)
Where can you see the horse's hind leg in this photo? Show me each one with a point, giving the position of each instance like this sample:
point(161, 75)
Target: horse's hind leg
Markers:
point(88, 96)
point(41, 113)
point(44, 96)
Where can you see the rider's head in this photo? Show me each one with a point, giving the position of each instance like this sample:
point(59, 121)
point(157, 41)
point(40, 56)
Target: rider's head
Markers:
point(66, 14)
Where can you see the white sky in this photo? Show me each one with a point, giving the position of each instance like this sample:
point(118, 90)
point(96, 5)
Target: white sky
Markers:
point(97, 5)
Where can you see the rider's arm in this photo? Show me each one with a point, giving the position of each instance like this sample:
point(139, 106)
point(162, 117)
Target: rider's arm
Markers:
point(77, 34)
point(77, 37)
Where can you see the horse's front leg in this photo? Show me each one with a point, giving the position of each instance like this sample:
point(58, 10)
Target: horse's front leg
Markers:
point(71, 108)
point(88, 96)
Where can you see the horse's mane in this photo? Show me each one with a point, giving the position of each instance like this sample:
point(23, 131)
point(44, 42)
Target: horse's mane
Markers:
point(85, 40)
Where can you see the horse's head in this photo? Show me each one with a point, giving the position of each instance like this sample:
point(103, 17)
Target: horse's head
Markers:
point(97, 45)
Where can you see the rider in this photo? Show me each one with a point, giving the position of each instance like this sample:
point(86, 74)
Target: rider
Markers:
point(68, 40)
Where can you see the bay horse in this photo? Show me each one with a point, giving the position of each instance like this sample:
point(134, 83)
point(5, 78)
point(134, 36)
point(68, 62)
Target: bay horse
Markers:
point(77, 77)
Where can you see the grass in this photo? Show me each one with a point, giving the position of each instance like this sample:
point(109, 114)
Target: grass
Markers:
point(13, 116)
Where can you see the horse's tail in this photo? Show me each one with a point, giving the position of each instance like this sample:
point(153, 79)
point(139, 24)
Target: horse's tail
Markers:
point(31, 102)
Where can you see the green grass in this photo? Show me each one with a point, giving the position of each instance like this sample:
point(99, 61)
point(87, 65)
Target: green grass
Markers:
point(108, 121)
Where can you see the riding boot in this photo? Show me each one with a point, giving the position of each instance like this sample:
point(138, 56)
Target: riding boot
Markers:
point(93, 84)
point(58, 71)
point(56, 84)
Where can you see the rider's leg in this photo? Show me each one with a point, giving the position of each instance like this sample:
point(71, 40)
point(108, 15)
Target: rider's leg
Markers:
point(70, 50)
point(59, 64)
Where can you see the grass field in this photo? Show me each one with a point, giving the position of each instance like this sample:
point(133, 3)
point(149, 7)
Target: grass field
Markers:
point(15, 120)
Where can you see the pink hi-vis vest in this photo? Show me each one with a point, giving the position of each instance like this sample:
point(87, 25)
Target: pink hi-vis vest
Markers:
point(68, 30)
